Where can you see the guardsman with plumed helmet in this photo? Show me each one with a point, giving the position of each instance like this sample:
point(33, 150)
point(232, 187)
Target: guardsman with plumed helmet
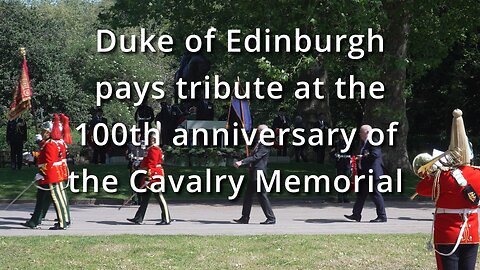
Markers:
point(454, 185)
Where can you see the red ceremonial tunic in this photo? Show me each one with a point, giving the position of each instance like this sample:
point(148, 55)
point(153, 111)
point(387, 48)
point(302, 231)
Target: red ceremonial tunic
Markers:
point(447, 225)
point(49, 164)
point(63, 158)
point(152, 163)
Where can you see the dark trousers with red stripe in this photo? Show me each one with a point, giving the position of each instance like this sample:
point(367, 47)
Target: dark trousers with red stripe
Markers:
point(464, 258)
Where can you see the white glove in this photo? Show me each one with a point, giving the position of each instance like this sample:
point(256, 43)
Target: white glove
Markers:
point(38, 177)
point(38, 137)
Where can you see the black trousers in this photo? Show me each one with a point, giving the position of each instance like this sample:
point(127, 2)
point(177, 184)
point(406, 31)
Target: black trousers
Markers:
point(320, 151)
point(137, 199)
point(464, 258)
point(16, 155)
point(283, 149)
point(99, 155)
point(262, 198)
point(376, 196)
point(44, 199)
point(343, 197)
point(144, 200)
point(300, 153)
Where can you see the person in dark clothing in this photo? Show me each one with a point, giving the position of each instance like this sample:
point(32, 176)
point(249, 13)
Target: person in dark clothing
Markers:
point(144, 114)
point(99, 152)
point(224, 116)
point(205, 110)
point(371, 159)
point(300, 150)
point(177, 116)
point(282, 122)
point(342, 164)
point(258, 162)
point(16, 137)
point(164, 117)
point(135, 155)
point(320, 149)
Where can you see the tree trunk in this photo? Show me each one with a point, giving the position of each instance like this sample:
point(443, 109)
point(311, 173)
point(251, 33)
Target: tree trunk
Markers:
point(310, 108)
point(392, 107)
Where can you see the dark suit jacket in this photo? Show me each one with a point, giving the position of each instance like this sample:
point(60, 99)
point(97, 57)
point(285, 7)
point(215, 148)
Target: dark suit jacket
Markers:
point(372, 159)
point(258, 159)
point(16, 132)
point(278, 122)
point(321, 124)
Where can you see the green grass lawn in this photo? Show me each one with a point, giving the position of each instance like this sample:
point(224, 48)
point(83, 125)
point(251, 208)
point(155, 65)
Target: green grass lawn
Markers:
point(329, 252)
point(12, 182)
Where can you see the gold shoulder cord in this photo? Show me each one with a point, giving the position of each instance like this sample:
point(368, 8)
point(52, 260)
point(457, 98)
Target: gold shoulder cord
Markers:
point(436, 186)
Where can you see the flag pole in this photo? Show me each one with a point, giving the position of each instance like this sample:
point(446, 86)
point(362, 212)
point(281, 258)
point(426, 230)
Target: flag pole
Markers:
point(23, 53)
point(243, 116)
point(227, 125)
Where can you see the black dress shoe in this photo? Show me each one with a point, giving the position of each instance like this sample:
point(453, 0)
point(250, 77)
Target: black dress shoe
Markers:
point(268, 222)
point(56, 227)
point(163, 222)
point(241, 220)
point(352, 217)
point(29, 225)
point(134, 221)
point(379, 219)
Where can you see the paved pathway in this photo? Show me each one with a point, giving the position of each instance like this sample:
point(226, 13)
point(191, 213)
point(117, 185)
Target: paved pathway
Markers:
point(215, 219)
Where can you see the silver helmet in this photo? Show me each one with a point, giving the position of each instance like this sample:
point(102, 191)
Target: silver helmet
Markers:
point(47, 126)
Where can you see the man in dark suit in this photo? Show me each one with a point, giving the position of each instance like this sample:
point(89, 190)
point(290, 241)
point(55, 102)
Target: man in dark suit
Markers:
point(99, 152)
point(320, 149)
point(258, 162)
point(282, 122)
point(164, 117)
point(144, 114)
point(371, 158)
point(16, 137)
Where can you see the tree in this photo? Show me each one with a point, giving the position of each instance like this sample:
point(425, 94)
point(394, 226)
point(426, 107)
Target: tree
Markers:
point(418, 36)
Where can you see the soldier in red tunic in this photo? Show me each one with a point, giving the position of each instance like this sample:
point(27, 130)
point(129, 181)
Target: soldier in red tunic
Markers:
point(453, 185)
point(152, 163)
point(62, 146)
point(49, 176)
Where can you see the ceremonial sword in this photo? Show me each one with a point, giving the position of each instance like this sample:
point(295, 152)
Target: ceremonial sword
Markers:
point(133, 195)
point(19, 195)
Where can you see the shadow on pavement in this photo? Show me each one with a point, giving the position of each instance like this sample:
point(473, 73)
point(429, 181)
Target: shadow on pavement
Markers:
point(321, 220)
point(415, 219)
point(212, 221)
point(14, 218)
point(112, 222)
point(13, 228)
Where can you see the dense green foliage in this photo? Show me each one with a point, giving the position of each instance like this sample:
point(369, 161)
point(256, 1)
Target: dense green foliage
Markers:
point(441, 60)
point(64, 67)
point(437, 32)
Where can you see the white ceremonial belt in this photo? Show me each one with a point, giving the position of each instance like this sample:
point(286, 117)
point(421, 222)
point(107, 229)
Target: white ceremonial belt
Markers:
point(58, 163)
point(159, 166)
point(456, 211)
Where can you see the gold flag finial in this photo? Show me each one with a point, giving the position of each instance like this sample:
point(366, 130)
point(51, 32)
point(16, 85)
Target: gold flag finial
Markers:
point(23, 51)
